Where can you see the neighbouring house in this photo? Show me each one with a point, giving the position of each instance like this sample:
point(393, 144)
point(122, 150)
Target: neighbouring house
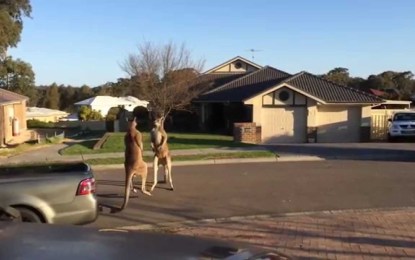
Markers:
point(393, 104)
point(267, 105)
point(378, 93)
point(104, 103)
point(12, 118)
point(388, 93)
point(381, 113)
point(45, 114)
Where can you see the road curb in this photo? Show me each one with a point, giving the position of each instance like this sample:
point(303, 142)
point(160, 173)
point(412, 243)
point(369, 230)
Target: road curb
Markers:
point(222, 161)
point(187, 223)
point(368, 157)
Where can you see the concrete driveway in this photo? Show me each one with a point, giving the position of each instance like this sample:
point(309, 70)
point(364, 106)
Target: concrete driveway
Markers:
point(350, 151)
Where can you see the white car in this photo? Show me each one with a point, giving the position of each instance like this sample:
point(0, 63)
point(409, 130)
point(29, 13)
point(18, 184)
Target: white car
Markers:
point(402, 124)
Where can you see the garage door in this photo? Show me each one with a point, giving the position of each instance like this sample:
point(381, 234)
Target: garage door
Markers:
point(339, 124)
point(284, 125)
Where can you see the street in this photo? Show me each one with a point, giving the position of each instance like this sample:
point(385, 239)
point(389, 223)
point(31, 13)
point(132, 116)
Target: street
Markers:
point(212, 191)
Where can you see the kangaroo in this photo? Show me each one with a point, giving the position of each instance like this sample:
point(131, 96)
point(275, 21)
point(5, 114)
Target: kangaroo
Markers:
point(134, 163)
point(161, 152)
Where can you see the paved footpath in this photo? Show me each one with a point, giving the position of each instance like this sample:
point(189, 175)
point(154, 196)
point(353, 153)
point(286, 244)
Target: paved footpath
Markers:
point(350, 234)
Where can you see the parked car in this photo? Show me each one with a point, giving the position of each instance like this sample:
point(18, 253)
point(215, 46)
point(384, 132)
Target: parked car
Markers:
point(55, 193)
point(402, 125)
point(10, 214)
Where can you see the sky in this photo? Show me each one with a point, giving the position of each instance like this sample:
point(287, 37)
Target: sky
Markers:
point(76, 42)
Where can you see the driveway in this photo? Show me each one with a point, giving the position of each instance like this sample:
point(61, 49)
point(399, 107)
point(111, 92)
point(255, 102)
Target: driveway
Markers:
point(350, 151)
point(214, 191)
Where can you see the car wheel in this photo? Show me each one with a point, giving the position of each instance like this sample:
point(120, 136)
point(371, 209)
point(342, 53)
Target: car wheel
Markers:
point(28, 215)
point(391, 139)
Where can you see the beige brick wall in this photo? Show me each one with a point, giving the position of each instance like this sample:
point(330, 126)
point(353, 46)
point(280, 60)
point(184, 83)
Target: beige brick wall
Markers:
point(10, 111)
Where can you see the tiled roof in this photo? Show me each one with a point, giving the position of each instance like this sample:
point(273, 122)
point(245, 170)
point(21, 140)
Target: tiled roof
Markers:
point(328, 91)
point(268, 77)
point(246, 86)
point(215, 80)
point(10, 97)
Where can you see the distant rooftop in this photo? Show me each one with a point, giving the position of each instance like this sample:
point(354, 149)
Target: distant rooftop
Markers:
point(42, 111)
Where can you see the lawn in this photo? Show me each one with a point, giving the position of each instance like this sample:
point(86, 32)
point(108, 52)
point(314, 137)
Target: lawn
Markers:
point(176, 141)
point(26, 147)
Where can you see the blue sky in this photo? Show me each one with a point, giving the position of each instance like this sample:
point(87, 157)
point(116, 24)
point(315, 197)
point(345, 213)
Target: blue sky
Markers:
point(83, 41)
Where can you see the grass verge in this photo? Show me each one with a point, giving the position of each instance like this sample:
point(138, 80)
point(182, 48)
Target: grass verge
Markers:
point(176, 141)
point(197, 157)
point(21, 148)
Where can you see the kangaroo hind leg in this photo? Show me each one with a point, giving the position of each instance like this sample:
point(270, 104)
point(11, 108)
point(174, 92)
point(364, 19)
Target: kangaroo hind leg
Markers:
point(167, 169)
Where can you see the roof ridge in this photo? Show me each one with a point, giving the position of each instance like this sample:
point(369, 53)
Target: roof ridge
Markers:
point(273, 68)
point(247, 75)
point(296, 75)
point(342, 86)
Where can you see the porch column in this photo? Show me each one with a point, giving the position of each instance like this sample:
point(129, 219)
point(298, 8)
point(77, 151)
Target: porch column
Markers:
point(202, 112)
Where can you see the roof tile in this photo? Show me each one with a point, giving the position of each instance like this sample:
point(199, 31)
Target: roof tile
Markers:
point(246, 86)
point(328, 91)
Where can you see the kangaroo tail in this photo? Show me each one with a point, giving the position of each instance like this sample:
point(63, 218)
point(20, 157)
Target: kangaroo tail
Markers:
point(128, 181)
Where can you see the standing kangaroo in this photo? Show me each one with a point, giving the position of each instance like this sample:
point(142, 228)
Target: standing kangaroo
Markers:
point(161, 152)
point(134, 163)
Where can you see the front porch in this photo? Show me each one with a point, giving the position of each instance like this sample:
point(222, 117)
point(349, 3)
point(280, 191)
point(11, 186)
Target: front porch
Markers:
point(219, 118)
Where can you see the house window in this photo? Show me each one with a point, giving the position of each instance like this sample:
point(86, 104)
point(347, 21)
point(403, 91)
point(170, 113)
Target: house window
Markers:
point(238, 65)
point(284, 95)
point(10, 113)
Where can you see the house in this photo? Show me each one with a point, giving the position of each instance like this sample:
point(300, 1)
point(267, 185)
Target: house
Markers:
point(389, 93)
point(44, 114)
point(104, 103)
point(393, 104)
point(12, 118)
point(378, 93)
point(281, 107)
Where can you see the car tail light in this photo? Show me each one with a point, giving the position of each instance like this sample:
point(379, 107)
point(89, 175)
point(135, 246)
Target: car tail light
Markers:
point(86, 187)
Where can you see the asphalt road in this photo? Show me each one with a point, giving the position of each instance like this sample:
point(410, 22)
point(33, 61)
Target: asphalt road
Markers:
point(211, 191)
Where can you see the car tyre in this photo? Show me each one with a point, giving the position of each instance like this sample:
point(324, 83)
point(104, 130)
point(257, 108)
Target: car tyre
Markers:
point(391, 139)
point(28, 215)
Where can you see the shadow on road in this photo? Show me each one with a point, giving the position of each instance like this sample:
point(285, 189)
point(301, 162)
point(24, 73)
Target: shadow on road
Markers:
point(137, 185)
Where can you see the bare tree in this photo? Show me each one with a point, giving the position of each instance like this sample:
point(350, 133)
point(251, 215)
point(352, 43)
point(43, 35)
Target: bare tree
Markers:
point(165, 73)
